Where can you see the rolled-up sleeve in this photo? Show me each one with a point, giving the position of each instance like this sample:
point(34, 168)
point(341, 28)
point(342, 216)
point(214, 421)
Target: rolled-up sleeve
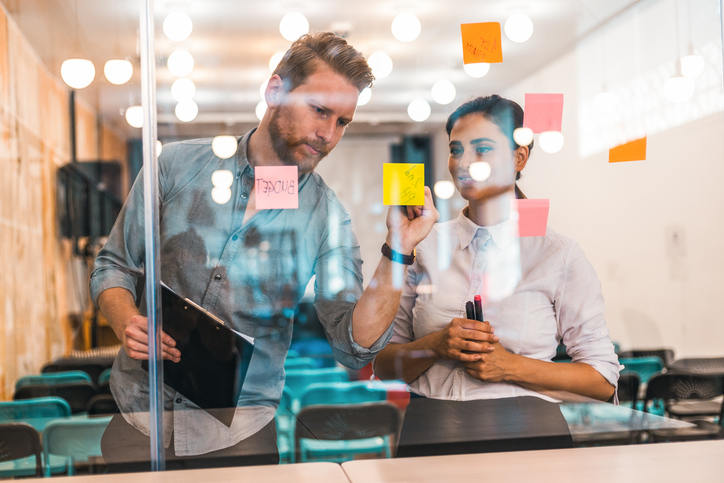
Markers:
point(580, 308)
point(338, 286)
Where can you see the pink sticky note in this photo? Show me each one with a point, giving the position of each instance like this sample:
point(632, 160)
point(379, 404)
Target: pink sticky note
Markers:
point(543, 112)
point(276, 187)
point(532, 217)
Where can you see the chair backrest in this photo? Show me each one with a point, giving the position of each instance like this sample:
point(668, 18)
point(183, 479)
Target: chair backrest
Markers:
point(680, 387)
point(20, 440)
point(316, 348)
point(337, 393)
point(347, 422)
point(666, 355)
point(104, 377)
point(298, 379)
point(93, 369)
point(102, 404)
point(628, 388)
point(53, 378)
point(699, 365)
point(78, 439)
point(645, 367)
point(28, 409)
point(300, 363)
point(76, 394)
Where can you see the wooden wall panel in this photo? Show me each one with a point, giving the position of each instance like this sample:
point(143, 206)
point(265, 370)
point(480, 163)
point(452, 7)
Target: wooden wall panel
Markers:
point(54, 106)
point(24, 79)
point(86, 132)
point(4, 69)
point(115, 148)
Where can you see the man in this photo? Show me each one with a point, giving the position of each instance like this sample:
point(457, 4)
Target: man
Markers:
point(250, 267)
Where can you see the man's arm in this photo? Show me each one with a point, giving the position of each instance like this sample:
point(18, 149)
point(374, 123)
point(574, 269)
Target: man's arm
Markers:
point(378, 305)
point(130, 326)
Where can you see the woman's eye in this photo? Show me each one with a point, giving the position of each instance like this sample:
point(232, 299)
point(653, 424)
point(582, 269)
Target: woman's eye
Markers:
point(456, 152)
point(482, 150)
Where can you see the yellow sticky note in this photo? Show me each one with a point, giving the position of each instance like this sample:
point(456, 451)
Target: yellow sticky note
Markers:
point(403, 184)
point(632, 151)
point(481, 42)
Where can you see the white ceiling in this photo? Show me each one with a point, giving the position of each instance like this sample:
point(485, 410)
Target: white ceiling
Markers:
point(232, 42)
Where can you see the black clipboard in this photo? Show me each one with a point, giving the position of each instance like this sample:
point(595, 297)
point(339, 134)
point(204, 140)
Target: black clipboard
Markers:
point(214, 357)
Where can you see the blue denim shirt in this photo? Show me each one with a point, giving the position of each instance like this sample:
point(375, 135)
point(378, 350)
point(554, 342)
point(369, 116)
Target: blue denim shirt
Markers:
point(251, 276)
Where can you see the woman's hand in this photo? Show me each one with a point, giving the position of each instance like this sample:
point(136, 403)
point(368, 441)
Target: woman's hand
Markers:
point(464, 340)
point(496, 366)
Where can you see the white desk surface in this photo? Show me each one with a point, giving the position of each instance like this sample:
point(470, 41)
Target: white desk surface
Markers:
point(297, 473)
point(701, 461)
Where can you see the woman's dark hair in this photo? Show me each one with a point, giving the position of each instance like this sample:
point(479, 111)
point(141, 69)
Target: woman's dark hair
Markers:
point(504, 113)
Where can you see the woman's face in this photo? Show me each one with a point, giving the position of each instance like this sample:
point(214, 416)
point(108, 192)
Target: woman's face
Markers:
point(475, 139)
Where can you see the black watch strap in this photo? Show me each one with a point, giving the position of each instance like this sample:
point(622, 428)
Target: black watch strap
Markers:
point(397, 256)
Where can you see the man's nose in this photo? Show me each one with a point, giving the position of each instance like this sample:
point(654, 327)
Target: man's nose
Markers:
point(325, 130)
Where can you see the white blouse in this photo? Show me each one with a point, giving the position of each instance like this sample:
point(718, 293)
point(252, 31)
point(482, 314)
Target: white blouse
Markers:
point(537, 291)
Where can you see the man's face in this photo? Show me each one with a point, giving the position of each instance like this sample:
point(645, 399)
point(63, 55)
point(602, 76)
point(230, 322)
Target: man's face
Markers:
point(310, 120)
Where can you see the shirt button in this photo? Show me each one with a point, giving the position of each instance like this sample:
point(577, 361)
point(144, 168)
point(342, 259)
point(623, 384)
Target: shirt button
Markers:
point(478, 265)
point(178, 400)
point(217, 276)
point(243, 196)
point(234, 238)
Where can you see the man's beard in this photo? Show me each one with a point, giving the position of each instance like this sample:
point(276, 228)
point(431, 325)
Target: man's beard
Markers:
point(284, 144)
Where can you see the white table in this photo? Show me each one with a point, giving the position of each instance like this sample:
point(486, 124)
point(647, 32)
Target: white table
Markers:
point(656, 463)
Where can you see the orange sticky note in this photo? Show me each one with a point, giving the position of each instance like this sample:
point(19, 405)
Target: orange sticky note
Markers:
point(632, 151)
point(403, 184)
point(532, 217)
point(543, 112)
point(276, 187)
point(481, 42)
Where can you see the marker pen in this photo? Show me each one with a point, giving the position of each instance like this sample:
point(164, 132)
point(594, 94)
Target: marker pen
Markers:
point(478, 308)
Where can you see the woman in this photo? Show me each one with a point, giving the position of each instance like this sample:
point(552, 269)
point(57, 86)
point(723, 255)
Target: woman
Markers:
point(553, 294)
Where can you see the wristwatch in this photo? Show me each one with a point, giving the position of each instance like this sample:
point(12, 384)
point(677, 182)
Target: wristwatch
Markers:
point(397, 256)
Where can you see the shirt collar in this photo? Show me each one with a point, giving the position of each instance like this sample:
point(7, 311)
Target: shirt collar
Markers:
point(501, 234)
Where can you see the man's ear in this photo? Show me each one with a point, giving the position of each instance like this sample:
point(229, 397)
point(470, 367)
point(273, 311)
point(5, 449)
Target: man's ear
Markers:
point(521, 157)
point(274, 93)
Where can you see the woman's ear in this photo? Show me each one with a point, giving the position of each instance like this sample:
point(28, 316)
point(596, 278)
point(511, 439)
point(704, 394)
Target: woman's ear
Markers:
point(274, 91)
point(521, 157)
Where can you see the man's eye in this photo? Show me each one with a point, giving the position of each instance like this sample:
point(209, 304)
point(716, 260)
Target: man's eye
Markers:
point(319, 110)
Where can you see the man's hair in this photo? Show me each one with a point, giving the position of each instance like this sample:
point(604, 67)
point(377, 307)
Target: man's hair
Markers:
point(307, 53)
point(504, 113)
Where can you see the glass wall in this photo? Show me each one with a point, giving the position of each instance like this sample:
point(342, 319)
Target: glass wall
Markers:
point(371, 219)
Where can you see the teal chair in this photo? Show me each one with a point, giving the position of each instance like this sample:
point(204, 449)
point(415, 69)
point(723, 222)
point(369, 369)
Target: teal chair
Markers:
point(53, 378)
point(20, 451)
point(104, 377)
point(300, 363)
point(298, 379)
point(36, 412)
point(291, 354)
point(645, 367)
point(75, 439)
point(340, 394)
point(284, 420)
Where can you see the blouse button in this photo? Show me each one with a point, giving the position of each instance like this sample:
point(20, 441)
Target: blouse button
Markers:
point(178, 400)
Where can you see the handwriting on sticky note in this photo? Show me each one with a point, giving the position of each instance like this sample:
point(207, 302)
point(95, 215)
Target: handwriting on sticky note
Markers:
point(543, 112)
point(276, 187)
point(403, 184)
point(631, 151)
point(481, 42)
point(532, 217)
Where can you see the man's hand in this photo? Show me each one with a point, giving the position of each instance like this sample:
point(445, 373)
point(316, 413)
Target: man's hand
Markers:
point(497, 366)
point(464, 340)
point(409, 225)
point(135, 341)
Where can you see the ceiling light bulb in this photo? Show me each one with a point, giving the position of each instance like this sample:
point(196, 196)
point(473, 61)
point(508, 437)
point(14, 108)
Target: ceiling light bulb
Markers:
point(118, 71)
point(293, 25)
point(443, 92)
point(223, 178)
point(476, 70)
point(523, 136)
point(605, 102)
point(480, 171)
point(224, 147)
point(159, 148)
point(180, 63)
point(381, 65)
point(679, 88)
point(220, 195)
point(550, 141)
point(186, 111)
point(519, 27)
point(134, 116)
point(77, 73)
point(183, 89)
point(418, 110)
point(692, 65)
point(406, 27)
point(444, 189)
point(364, 96)
point(260, 110)
point(177, 26)
point(274, 60)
